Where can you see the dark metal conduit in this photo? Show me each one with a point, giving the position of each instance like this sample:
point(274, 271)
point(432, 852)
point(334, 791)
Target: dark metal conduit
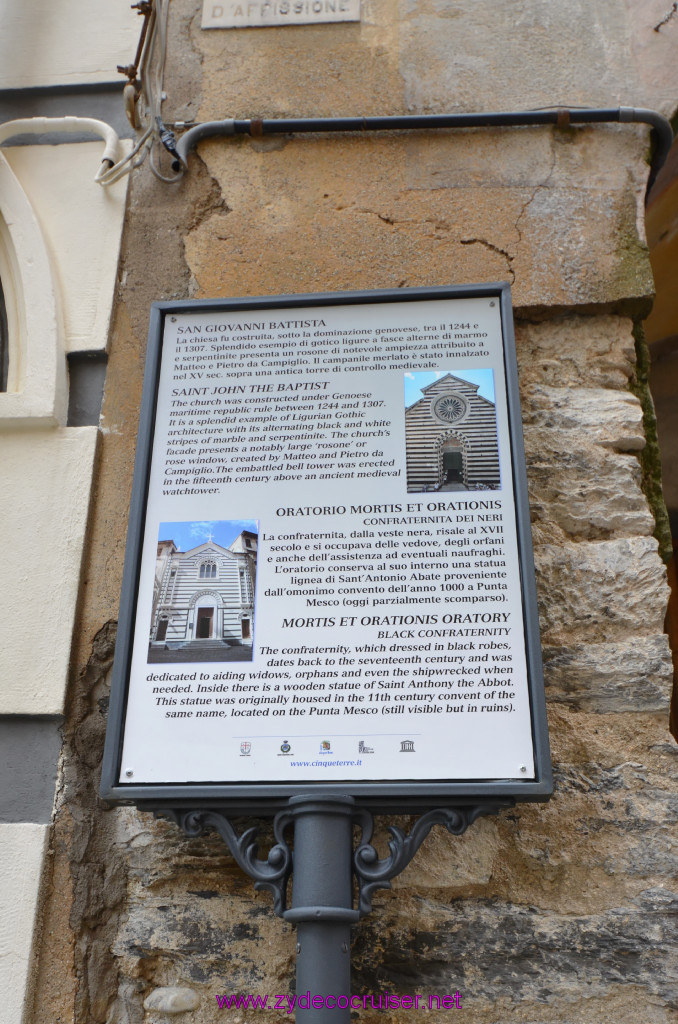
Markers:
point(561, 116)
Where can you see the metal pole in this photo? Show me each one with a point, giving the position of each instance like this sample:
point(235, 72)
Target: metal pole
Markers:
point(322, 880)
point(322, 906)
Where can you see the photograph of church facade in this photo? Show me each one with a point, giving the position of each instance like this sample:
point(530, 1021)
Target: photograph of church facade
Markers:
point(451, 433)
point(203, 599)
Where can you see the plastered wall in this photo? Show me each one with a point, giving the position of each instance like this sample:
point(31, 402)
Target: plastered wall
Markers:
point(70, 43)
point(59, 247)
point(67, 291)
point(65, 279)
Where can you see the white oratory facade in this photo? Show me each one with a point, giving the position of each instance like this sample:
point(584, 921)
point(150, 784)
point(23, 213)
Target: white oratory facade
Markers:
point(204, 597)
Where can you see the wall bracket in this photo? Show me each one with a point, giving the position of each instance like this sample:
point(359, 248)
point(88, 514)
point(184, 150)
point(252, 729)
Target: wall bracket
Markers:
point(323, 862)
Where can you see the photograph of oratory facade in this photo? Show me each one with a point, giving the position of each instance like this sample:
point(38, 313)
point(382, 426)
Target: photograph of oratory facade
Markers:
point(203, 601)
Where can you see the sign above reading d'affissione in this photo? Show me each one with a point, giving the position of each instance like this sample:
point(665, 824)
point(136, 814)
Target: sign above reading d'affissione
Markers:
point(329, 577)
point(263, 13)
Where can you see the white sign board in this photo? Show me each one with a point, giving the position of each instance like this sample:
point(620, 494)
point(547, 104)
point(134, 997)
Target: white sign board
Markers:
point(330, 579)
point(262, 13)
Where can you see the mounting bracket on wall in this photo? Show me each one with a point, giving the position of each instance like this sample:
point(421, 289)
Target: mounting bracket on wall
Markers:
point(321, 866)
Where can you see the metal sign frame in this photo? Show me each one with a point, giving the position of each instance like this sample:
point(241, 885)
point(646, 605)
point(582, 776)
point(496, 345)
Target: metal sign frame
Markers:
point(390, 796)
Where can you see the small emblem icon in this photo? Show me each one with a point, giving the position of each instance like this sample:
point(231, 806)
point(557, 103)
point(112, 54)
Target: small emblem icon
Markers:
point(407, 746)
point(245, 748)
point(363, 748)
point(285, 747)
point(325, 745)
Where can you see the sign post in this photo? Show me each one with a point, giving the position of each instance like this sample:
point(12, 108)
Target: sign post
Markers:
point(328, 606)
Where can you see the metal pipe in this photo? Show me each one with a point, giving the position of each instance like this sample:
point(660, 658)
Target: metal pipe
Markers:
point(65, 125)
point(322, 906)
point(562, 116)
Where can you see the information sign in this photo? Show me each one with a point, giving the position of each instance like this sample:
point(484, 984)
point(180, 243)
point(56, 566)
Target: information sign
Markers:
point(263, 13)
point(329, 577)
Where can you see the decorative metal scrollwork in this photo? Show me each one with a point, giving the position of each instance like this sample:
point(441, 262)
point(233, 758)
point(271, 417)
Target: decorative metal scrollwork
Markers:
point(374, 873)
point(271, 874)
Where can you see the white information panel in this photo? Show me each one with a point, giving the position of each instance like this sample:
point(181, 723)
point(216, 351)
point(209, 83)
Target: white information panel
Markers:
point(330, 586)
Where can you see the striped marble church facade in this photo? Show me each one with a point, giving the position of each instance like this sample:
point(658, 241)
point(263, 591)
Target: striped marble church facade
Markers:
point(204, 596)
point(451, 438)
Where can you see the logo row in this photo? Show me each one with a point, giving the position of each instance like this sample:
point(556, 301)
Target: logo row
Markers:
point(406, 747)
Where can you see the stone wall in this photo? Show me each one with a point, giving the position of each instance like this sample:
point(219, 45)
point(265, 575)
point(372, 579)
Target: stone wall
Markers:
point(550, 913)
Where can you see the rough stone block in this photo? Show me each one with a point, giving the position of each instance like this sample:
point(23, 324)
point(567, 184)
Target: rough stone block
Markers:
point(612, 419)
point(490, 947)
point(586, 352)
point(172, 999)
point(582, 490)
point(597, 592)
point(624, 676)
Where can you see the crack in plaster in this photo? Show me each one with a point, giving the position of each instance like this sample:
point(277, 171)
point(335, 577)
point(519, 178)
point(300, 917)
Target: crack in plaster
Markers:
point(493, 248)
point(542, 184)
point(667, 17)
point(387, 220)
point(437, 225)
point(523, 210)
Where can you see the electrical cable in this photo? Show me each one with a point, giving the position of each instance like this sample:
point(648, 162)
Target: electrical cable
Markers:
point(150, 66)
